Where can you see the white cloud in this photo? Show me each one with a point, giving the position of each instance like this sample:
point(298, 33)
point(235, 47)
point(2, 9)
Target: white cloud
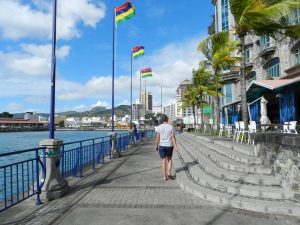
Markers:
point(13, 107)
point(171, 65)
point(38, 99)
point(80, 108)
point(20, 20)
point(102, 104)
point(31, 59)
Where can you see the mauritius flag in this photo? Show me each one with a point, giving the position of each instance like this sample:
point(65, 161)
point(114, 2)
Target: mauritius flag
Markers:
point(124, 12)
point(138, 51)
point(146, 72)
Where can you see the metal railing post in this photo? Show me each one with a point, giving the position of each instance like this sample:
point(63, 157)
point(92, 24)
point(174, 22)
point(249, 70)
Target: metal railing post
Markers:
point(38, 189)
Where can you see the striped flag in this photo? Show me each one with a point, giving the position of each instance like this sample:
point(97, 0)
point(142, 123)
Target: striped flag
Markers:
point(124, 12)
point(146, 72)
point(138, 51)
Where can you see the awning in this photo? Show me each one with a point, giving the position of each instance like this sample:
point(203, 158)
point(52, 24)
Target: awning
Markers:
point(258, 88)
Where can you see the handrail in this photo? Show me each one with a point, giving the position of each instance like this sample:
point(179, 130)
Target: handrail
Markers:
point(23, 178)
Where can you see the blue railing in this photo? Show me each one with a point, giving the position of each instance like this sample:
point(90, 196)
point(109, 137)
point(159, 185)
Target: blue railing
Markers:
point(23, 173)
point(20, 176)
point(81, 154)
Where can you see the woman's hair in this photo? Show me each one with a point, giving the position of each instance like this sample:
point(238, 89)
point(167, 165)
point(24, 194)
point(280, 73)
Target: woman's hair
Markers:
point(164, 118)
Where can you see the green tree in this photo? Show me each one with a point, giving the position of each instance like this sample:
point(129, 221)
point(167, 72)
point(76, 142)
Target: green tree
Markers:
point(218, 50)
point(190, 101)
point(6, 115)
point(261, 17)
point(204, 86)
point(61, 123)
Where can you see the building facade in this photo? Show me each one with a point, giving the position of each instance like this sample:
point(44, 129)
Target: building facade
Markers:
point(183, 113)
point(147, 100)
point(273, 73)
point(170, 111)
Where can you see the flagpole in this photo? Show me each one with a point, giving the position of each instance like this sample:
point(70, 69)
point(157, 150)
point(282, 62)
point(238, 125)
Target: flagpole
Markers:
point(145, 101)
point(161, 99)
point(140, 90)
point(131, 93)
point(53, 72)
point(113, 77)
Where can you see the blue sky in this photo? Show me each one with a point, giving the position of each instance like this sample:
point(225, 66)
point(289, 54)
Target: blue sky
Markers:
point(169, 30)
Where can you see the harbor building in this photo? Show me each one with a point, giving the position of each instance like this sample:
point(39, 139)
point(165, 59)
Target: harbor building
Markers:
point(273, 72)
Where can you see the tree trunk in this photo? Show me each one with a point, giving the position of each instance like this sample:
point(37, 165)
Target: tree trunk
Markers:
point(194, 114)
point(217, 103)
point(202, 116)
point(243, 83)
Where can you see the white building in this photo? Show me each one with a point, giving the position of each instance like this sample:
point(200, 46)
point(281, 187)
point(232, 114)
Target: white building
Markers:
point(180, 91)
point(72, 122)
point(170, 111)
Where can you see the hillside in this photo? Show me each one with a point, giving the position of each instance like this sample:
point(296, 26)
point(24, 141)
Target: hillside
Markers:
point(98, 111)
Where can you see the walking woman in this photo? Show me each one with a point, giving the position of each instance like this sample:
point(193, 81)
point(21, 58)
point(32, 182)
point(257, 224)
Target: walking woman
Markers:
point(166, 144)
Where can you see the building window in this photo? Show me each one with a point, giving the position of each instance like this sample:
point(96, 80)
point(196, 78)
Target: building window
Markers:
point(227, 91)
point(251, 77)
point(294, 17)
point(297, 56)
point(273, 68)
point(248, 54)
point(265, 41)
point(225, 13)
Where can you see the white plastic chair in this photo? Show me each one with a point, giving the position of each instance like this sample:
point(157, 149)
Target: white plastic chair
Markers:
point(236, 134)
point(292, 127)
point(221, 129)
point(243, 131)
point(228, 129)
point(286, 127)
point(252, 129)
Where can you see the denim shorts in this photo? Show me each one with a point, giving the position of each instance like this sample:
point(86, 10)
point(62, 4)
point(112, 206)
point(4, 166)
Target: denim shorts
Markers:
point(165, 152)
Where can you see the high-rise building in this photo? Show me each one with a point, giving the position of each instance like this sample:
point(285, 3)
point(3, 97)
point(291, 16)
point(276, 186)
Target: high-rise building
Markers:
point(147, 100)
point(273, 72)
point(170, 111)
point(180, 91)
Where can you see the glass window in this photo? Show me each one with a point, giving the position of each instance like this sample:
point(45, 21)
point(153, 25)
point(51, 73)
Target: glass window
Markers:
point(297, 56)
point(248, 54)
point(227, 91)
point(273, 69)
point(294, 17)
point(225, 13)
point(265, 41)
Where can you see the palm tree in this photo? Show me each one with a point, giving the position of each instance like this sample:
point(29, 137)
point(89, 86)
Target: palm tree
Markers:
point(190, 101)
point(204, 86)
point(218, 49)
point(261, 17)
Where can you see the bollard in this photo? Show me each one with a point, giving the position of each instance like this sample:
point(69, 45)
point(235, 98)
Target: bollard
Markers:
point(55, 185)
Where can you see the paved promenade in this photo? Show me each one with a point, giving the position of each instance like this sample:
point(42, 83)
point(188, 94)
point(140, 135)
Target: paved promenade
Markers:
point(130, 190)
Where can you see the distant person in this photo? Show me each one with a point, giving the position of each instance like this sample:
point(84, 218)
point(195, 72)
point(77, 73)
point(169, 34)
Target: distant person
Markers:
point(135, 134)
point(166, 144)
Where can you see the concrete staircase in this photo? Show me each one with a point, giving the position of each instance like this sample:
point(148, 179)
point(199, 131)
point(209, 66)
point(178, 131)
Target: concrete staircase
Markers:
point(229, 174)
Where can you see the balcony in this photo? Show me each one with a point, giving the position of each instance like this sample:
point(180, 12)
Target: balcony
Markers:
point(232, 76)
point(293, 71)
point(267, 49)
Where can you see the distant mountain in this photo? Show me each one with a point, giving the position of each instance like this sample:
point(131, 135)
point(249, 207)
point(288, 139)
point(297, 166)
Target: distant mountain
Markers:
point(98, 111)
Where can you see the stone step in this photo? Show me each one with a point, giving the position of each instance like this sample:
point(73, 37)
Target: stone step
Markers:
point(242, 148)
point(235, 155)
point(237, 188)
point(229, 163)
point(229, 200)
point(217, 171)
